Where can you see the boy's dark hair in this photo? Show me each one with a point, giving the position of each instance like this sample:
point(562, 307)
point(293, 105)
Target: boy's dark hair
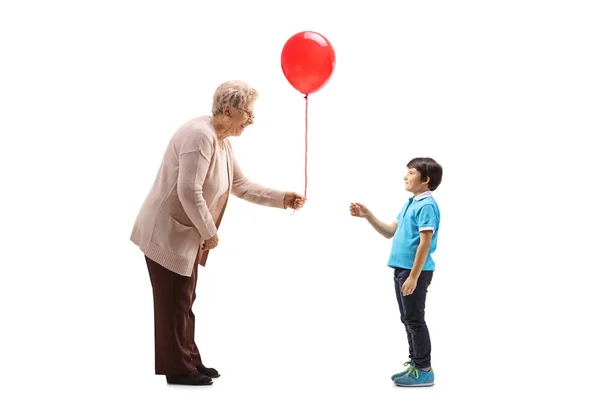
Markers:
point(428, 168)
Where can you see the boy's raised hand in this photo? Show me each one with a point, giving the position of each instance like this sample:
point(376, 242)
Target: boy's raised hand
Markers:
point(358, 210)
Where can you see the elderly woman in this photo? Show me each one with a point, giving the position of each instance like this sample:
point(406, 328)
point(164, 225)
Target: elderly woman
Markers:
point(178, 222)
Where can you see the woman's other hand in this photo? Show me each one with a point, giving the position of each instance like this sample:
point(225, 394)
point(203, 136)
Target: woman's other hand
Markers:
point(211, 243)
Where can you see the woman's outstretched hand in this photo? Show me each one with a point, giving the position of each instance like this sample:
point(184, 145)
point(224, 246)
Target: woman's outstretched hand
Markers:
point(293, 200)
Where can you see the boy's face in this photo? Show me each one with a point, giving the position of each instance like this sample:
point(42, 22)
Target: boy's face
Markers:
point(413, 182)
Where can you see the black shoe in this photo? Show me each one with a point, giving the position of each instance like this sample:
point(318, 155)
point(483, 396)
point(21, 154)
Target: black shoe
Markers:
point(194, 378)
point(210, 372)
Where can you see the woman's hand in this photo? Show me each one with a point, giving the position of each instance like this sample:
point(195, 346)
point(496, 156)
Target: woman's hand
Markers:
point(293, 200)
point(211, 243)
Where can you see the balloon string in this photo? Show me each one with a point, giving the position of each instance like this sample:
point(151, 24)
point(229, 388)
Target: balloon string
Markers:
point(305, 146)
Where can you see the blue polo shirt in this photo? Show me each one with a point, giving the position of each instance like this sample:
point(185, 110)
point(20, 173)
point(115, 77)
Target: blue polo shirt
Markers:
point(418, 214)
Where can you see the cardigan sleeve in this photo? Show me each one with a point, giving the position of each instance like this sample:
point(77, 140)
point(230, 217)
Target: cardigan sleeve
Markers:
point(193, 168)
point(245, 189)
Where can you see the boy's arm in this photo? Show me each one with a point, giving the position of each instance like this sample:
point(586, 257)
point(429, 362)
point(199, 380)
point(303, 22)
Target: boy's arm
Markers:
point(387, 231)
point(422, 251)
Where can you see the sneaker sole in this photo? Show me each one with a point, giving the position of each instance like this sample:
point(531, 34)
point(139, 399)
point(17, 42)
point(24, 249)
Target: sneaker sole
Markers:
point(416, 385)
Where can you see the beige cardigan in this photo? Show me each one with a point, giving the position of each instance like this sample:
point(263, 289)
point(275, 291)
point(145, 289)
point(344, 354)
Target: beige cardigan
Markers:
point(189, 195)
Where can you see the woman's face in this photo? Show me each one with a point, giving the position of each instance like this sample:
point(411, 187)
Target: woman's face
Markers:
point(240, 118)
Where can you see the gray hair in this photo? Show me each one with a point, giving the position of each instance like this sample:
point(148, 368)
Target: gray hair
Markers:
point(235, 94)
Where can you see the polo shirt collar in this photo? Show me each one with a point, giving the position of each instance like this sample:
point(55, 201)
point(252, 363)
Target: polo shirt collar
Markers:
point(423, 195)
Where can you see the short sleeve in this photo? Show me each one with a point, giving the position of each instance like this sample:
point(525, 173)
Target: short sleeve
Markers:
point(427, 219)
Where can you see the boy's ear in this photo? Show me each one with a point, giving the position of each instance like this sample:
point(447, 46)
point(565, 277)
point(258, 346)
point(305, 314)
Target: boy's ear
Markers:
point(426, 180)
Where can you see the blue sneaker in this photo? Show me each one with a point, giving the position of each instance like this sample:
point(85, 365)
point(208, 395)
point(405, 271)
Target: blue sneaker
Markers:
point(415, 378)
point(399, 374)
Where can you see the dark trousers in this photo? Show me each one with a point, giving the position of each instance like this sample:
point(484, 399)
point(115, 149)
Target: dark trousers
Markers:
point(175, 350)
point(412, 315)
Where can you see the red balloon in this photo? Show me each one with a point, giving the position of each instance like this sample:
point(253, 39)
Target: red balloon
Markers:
point(307, 61)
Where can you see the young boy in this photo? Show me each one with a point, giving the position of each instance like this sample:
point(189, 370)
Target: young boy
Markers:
point(414, 236)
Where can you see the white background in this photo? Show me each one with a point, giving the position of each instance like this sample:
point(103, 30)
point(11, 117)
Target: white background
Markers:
point(504, 94)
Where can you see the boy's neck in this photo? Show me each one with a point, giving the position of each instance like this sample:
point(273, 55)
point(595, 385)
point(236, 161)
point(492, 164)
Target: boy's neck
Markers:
point(419, 192)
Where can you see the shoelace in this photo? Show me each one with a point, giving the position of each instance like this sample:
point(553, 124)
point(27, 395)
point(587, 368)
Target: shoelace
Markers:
point(413, 371)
